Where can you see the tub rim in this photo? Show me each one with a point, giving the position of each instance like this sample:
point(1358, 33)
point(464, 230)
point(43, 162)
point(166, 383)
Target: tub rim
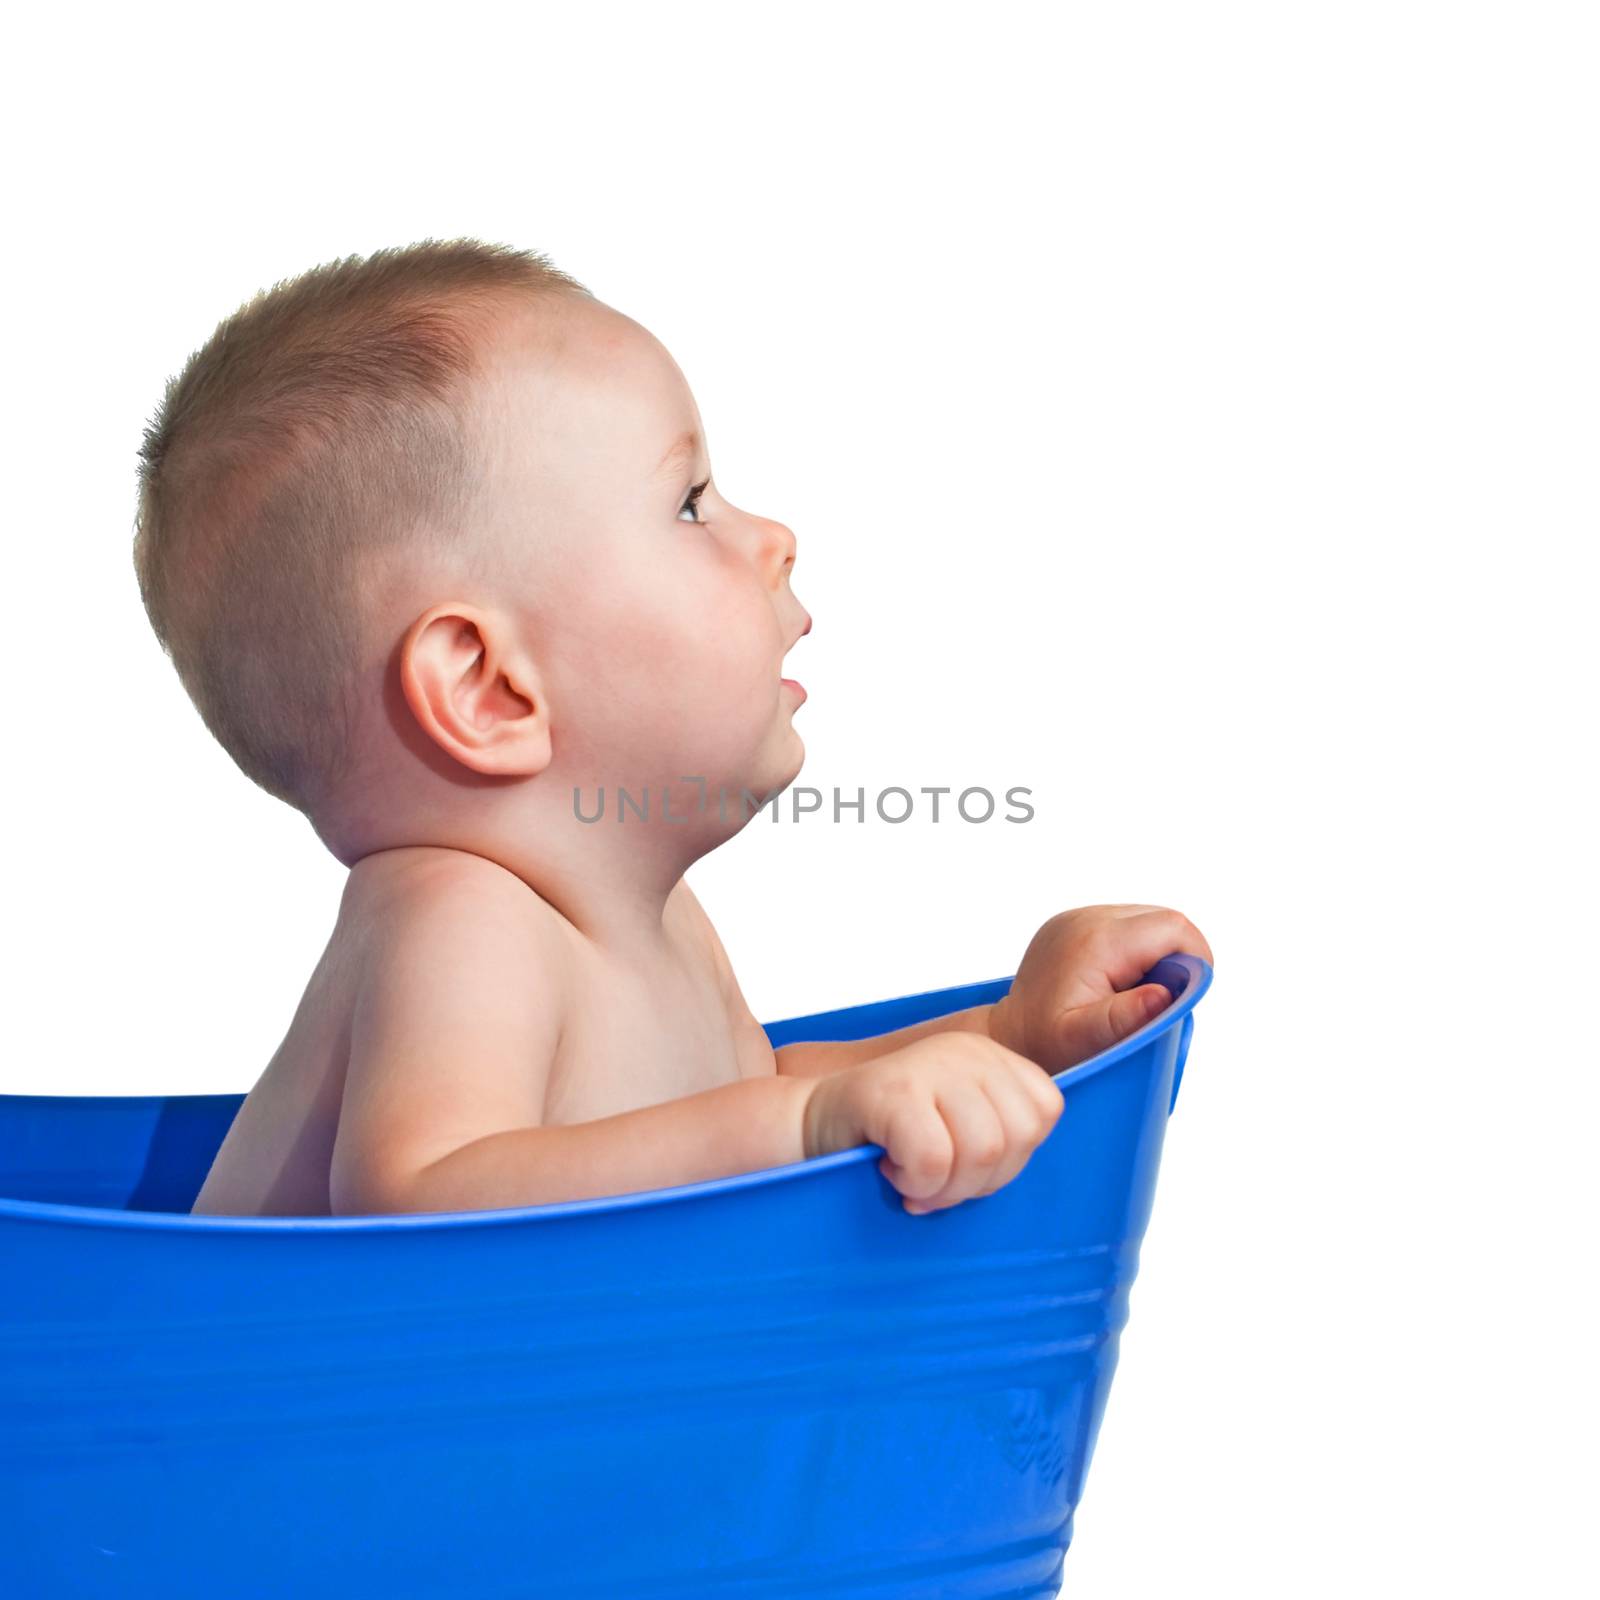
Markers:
point(1197, 980)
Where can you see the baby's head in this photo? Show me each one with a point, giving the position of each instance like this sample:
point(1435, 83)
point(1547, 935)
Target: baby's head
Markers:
point(432, 542)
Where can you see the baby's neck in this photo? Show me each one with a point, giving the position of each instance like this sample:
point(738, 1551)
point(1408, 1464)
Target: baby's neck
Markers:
point(610, 880)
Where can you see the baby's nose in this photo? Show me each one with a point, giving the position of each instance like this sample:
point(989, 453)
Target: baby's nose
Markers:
point(780, 546)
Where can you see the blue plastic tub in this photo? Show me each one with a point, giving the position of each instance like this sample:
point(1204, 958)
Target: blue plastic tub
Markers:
point(779, 1384)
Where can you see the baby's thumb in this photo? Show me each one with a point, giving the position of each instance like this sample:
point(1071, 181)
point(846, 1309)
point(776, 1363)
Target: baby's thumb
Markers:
point(1087, 1030)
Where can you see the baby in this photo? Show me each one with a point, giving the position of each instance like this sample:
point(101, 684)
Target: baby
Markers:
point(433, 542)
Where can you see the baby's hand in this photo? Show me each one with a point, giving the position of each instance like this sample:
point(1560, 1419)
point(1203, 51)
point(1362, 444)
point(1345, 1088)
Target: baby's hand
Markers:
point(1071, 997)
point(957, 1114)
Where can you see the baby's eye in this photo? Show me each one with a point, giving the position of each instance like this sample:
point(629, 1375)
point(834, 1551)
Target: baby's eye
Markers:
point(693, 502)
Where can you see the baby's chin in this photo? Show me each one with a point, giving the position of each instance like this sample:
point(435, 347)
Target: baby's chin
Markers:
point(758, 781)
point(786, 769)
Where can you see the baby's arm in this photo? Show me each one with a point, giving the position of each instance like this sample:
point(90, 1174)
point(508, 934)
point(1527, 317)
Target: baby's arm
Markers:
point(1080, 988)
point(454, 1031)
point(821, 1058)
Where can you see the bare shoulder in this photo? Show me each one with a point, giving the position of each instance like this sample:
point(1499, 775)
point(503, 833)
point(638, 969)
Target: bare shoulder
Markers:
point(755, 1052)
point(395, 888)
point(459, 1002)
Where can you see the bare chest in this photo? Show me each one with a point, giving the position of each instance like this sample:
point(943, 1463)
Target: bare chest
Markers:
point(628, 1045)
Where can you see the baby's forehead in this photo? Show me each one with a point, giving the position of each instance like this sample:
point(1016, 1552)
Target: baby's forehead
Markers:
point(564, 345)
point(582, 384)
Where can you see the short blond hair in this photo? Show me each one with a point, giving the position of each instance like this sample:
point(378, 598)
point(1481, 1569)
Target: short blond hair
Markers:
point(323, 423)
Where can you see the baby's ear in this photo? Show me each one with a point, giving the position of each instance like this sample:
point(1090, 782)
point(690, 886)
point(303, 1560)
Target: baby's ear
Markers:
point(474, 689)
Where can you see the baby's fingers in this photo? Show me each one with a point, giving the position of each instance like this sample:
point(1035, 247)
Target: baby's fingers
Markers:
point(1085, 1031)
point(982, 1124)
point(975, 1141)
point(1026, 1126)
point(919, 1148)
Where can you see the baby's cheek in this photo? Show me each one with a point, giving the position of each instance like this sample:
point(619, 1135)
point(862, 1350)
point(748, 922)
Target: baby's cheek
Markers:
point(700, 648)
point(744, 660)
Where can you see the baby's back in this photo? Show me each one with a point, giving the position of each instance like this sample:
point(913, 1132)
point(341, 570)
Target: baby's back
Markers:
point(278, 1153)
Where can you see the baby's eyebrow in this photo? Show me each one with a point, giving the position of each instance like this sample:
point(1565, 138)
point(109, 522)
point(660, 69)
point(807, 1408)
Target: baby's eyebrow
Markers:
point(684, 449)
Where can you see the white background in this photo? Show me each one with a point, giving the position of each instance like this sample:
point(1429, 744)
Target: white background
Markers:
point(1188, 412)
